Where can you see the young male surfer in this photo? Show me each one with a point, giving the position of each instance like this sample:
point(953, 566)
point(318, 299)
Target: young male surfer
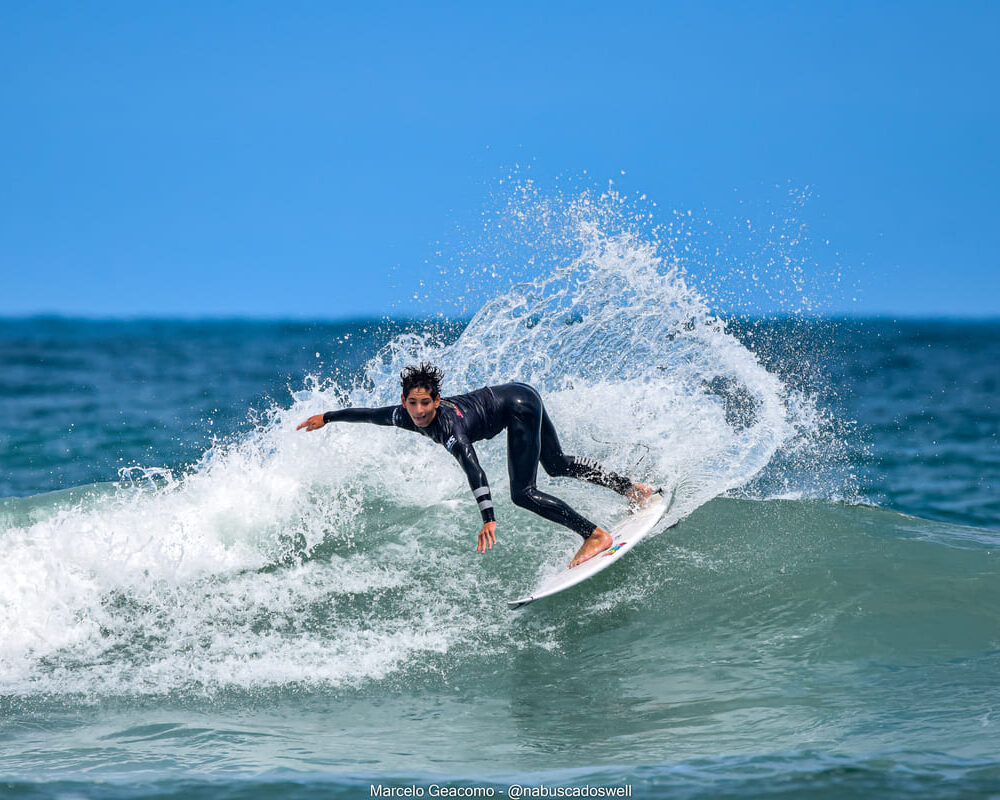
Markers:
point(457, 422)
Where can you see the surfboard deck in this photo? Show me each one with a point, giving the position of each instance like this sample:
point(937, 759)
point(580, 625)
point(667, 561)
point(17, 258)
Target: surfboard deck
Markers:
point(625, 535)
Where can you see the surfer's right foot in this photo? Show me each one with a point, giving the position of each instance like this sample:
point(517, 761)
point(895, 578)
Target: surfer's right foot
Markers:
point(599, 541)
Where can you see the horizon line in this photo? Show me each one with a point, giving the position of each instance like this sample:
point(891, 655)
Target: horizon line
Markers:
point(441, 317)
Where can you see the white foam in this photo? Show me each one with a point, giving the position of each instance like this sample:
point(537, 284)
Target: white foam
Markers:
point(159, 588)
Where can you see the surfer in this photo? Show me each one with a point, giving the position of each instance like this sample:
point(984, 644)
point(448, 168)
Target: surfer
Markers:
point(457, 422)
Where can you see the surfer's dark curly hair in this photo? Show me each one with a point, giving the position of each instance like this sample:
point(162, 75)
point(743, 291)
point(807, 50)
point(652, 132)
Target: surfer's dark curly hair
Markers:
point(426, 376)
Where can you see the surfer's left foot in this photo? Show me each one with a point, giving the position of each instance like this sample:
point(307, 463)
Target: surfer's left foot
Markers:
point(639, 494)
point(599, 541)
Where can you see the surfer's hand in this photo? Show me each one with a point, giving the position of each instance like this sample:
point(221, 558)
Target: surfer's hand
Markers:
point(487, 537)
point(312, 423)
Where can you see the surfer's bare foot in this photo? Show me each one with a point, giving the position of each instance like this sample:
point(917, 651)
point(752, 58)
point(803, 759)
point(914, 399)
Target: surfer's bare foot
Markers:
point(599, 541)
point(639, 494)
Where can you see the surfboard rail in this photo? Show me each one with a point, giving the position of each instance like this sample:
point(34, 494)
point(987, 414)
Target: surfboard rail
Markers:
point(625, 535)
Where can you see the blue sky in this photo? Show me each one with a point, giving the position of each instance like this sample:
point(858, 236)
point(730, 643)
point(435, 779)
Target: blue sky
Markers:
point(302, 159)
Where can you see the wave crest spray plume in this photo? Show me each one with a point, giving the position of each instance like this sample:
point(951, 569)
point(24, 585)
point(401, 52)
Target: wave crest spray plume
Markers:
point(636, 369)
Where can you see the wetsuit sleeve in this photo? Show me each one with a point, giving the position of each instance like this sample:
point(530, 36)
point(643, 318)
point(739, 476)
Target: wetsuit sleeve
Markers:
point(390, 415)
point(466, 456)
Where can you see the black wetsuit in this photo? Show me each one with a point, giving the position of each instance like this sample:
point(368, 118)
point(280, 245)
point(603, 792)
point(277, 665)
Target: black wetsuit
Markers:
point(531, 439)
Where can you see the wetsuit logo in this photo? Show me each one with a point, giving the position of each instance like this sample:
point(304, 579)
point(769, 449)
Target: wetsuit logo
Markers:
point(450, 443)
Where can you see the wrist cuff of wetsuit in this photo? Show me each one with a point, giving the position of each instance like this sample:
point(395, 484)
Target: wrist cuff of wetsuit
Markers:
point(328, 417)
point(482, 496)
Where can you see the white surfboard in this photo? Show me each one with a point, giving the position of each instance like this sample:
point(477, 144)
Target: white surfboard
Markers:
point(625, 535)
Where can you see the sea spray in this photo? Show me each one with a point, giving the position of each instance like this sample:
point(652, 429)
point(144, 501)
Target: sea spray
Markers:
point(286, 559)
point(602, 317)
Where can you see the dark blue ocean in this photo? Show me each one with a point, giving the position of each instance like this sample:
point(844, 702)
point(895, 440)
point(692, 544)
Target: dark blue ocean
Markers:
point(199, 601)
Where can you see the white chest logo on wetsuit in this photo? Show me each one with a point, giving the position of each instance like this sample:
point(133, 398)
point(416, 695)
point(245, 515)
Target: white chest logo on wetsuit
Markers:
point(450, 443)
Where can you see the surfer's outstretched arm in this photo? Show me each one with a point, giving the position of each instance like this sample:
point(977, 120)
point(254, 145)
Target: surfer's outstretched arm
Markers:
point(464, 453)
point(375, 416)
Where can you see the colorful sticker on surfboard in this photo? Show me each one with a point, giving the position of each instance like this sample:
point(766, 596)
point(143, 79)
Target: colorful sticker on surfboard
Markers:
point(612, 550)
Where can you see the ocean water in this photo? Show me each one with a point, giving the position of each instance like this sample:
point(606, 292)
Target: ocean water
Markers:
point(198, 601)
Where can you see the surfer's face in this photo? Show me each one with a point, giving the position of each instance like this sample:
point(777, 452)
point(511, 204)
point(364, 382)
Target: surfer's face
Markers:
point(421, 407)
